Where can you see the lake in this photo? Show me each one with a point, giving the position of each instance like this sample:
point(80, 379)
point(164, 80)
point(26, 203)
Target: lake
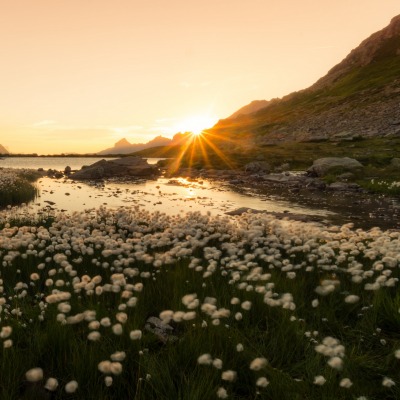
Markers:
point(170, 196)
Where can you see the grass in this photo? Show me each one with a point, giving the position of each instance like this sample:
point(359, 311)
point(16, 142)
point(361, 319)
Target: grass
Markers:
point(17, 186)
point(247, 258)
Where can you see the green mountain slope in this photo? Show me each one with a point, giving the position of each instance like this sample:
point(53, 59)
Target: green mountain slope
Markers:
point(359, 97)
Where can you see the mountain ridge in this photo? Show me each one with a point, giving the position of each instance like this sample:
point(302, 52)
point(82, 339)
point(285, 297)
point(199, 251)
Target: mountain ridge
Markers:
point(358, 97)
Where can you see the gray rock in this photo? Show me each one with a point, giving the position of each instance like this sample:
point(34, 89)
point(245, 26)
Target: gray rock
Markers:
point(395, 162)
point(257, 166)
point(163, 331)
point(323, 166)
point(122, 167)
point(342, 186)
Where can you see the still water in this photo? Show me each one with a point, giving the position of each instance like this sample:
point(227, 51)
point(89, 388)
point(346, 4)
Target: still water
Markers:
point(171, 196)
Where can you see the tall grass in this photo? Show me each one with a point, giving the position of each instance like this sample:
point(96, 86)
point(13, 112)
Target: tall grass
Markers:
point(17, 186)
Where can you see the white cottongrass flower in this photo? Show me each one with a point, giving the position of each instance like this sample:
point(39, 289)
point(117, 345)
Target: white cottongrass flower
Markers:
point(387, 382)
point(34, 375)
point(351, 299)
point(217, 363)
point(346, 383)
point(94, 336)
point(118, 356)
point(315, 303)
point(222, 393)
point(258, 363)
point(246, 305)
point(116, 368)
point(262, 381)
point(397, 353)
point(336, 363)
point(104, 367)
point(205, 359)
point(108, 380)
point(5, 332)
point(7, 344)
point(135, 334)
point(121, 317)
point(71, 387)
point(117, 329)
point(229, 375)
point(319, 380)
point(51, 384)
point(239, 347)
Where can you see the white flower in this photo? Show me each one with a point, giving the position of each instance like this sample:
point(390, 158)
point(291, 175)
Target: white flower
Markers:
point(205, 359)
point(71, 387)
point(136, 334)
point(51, 384)
point(5, 332)
point(117, 329)
point(345, 383)
point(118, 356)
point(351, 299)
point(222, 393)
point(108, 380)
point(387, 382)
point(258, 363)
point(229, 375)
point(319, 380)
point(239, 347)
point(335, 362)
point(34, 375)
point(262, 381)
point(217, 363)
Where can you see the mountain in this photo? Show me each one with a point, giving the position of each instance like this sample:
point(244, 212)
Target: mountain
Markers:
point(124, 147)
point(254, 106)
point(3, 150)
point(359, 97)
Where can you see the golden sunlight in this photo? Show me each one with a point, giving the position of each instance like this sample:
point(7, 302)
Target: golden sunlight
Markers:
point(195, 124)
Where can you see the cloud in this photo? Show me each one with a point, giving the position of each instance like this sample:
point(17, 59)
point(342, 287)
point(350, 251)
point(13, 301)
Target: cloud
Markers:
point(45, 122)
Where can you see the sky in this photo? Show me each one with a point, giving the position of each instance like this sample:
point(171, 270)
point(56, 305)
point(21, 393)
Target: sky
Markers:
point(79, 75)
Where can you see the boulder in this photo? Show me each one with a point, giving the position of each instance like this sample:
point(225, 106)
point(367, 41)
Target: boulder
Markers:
point(324, 166)
point(257, 166)
point(121, 167)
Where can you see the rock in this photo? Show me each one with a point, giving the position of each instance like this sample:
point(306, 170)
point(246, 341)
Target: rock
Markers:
point(324, 166)
point(346, 176)
point(395, 162)
point(163, 331)
point(122, 167)
point(67, 170)
point(257, 166)
point(342, 186)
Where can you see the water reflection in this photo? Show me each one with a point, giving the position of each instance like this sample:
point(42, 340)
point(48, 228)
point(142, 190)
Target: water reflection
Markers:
point(165, 195)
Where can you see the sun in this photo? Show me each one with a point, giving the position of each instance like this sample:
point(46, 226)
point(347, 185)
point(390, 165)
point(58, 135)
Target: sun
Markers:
point(196, 124)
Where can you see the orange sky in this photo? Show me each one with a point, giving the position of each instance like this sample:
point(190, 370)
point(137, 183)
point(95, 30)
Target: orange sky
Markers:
point(78, 75)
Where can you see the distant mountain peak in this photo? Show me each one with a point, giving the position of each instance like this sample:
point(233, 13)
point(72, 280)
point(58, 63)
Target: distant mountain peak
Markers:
point(3, 150)
point(123, 146)
point(122, 143)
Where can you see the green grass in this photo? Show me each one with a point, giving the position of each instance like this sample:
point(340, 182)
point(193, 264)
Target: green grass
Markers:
point(18, 187)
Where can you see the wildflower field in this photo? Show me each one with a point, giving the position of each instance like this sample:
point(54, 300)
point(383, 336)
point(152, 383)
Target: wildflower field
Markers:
point(253, 308)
